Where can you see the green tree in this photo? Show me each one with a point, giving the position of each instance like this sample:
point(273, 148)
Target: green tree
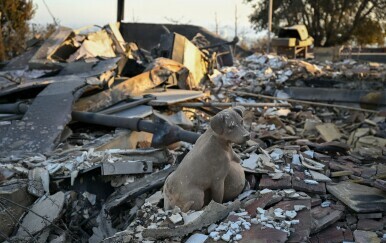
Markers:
point(330, 22)
point(14, 18)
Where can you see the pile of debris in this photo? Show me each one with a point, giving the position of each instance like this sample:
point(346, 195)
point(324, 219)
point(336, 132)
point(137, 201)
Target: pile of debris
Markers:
point(91, 126)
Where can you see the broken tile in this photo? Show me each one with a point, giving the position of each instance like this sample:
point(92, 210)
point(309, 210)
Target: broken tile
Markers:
point(267, 182)
point(369, 225)
point(360, 198)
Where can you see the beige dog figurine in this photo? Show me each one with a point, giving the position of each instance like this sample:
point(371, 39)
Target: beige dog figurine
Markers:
point(211, 170)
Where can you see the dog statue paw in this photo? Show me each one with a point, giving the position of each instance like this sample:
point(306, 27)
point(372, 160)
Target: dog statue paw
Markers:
point(211, 170)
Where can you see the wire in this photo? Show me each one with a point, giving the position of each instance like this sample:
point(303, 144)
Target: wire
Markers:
point(49, 11)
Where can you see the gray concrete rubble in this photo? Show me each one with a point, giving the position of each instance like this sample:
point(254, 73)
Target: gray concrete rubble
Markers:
point(93, 126)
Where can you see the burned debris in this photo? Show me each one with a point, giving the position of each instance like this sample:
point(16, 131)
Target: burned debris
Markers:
point(98, 133)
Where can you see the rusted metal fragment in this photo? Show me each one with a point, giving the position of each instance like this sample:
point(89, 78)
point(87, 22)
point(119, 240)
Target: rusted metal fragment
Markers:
point(303, 229)
point(212, 213)
point(40, 129)
point(360, 198)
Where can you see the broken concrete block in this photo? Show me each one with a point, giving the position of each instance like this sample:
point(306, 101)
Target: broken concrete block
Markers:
point(48, 208)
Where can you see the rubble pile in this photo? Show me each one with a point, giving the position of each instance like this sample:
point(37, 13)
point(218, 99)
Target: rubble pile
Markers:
point(91, 126)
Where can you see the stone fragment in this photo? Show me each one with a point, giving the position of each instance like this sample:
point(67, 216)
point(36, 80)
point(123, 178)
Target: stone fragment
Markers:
point(369, 224)
point(366, 236)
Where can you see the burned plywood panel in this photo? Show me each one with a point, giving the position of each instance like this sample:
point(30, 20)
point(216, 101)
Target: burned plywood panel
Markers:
point(157, 74)
point(68, 74)
point(180, 49)
point(43, 123)
point(360, 198)
point(41, 59)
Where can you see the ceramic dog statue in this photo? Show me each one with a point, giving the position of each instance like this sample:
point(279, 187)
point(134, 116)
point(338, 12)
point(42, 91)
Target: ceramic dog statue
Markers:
point(211, 170)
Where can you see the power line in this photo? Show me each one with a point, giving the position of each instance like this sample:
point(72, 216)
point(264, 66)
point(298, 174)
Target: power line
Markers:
point(49, 11)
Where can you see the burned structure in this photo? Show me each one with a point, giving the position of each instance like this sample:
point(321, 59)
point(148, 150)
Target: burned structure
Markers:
point(92, 124)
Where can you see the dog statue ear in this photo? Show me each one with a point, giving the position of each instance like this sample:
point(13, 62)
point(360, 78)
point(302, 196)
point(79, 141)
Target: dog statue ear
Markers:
point(240, 110)
point(217, 123)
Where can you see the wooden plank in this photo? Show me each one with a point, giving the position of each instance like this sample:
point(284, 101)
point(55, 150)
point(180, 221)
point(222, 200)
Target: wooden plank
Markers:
point(173, 96)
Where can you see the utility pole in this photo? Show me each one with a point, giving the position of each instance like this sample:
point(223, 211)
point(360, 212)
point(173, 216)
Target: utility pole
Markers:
point(216, 22)
point(120, 10)
point(236, 19)
point(269, 25)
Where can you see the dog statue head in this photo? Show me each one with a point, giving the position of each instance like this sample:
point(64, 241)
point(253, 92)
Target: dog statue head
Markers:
point(228, 124)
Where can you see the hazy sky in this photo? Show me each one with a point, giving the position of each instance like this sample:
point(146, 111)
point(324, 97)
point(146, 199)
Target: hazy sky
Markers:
point(78, 13)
